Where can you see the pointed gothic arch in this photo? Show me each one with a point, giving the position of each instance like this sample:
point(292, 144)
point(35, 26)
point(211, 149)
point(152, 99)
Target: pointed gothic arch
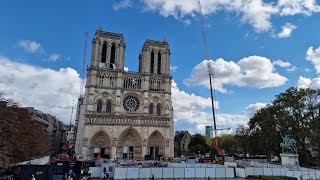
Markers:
point(155, 144)
point(152, 62)
point(113, 55)
point(151, 106)
point(104, 53)
point(100, 145)
point(159, 109)
point(99, 106)
point(108, 106)
point(130, 144)
point(159, 63)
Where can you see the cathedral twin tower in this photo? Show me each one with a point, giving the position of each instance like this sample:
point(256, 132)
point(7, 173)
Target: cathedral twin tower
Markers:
point(126, 115)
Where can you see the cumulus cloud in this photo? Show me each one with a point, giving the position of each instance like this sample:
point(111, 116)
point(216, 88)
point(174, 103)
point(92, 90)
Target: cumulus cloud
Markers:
point(123, 4)
point(314, 57)
point(304, 82)
point(252, 71)
point(30, 46)
point(253, 108)
point(54, 57)
point(281, 63)
point(287, 30)
point(292, 7)
point(47, 90)
point(193, 113)
point(257, 13)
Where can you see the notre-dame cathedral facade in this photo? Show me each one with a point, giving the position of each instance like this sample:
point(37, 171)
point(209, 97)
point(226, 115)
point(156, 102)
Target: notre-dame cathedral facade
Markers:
point(126, 115)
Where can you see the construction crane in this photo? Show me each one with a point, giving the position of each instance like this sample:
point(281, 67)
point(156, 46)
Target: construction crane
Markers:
point(83, 65)
point(210, 72)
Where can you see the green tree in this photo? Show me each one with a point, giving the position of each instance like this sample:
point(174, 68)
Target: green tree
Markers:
point(199, 144)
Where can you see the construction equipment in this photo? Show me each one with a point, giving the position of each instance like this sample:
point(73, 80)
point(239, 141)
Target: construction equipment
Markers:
point(83, 65)
point(210, 71)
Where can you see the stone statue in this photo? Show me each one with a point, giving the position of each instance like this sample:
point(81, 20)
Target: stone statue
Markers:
point(288, 145)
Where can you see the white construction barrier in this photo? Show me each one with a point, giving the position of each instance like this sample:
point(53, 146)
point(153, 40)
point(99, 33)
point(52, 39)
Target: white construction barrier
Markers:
point(167, 173)
point(200, 172)
point(220, 172)
point(258, 171)
point(211, 172)
point(96, 172)
point(178, 173)
point(268, 171)
point(230, 173)
point(157, 173)
point(120, 173)
point(145, 173)
point(133, 173)
point(189, 172)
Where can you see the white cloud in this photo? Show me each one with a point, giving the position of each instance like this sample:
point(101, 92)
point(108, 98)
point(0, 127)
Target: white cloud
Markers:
point(193, 113)
point(54, 57)
point(123, 4)
point(292, 7)
point(281, 63)
point(314, 57)
point(30, 46)
point(286, 30)
point(253, 108)
point(45, 89)
point(126, 69)
point(252, 71)
point(173, 68)
point(254, 12)
point(303, 82)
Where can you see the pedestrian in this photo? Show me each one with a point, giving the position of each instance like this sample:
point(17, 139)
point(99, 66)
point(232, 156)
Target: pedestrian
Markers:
point(33, 178)
point(90, 172)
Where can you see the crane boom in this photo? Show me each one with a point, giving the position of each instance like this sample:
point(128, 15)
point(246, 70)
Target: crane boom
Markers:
point(210, 72)
point(83, 65)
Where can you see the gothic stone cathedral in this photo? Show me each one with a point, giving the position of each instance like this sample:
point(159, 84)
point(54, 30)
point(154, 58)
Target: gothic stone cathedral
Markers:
point(126, 115)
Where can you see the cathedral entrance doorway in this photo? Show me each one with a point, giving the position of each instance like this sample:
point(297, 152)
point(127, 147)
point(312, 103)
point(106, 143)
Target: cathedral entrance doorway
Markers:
point(156, 145)
point(130, 144)
point(100, 145)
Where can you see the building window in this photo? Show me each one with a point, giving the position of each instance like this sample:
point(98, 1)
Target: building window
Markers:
point(152, 62)
point(104, 53)
point(159, 63)
point(113, 56)
point(158, 109)
point(151, 108)
point(131, 104)
point(109, 106)
point(99, 106)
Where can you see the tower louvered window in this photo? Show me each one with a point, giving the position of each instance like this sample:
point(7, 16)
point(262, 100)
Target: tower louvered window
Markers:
point(159, 63)
point(104, 53)
point(152, 63)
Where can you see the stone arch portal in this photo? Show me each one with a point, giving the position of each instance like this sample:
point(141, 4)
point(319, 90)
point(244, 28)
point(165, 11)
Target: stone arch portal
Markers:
point(129, 144)
point(100, 145)
point(156, 145)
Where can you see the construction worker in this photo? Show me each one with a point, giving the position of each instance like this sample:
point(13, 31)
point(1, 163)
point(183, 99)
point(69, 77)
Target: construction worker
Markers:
point(90, 172)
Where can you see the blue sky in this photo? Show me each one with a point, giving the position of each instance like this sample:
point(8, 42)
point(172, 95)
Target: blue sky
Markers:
point(258, 48)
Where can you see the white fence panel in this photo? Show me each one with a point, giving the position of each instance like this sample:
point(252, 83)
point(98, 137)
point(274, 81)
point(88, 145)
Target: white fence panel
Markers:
point(268, 171)
point(196, 165)
point(249, 171)
point(120, 173)
point(167, 173)
point(96, 171)
point(297, 174)
point(289, 173)
point(283, 171)
point(200, 172)
point(258, 171)
point(230, 173)
point(220, 172)
point(276, 172)
point(241, 172)
point(190, 173)
point(178, 173)
point(156, 172)
point(318, 174)
point(145, 173)
point(133, 173)
point(211, 172)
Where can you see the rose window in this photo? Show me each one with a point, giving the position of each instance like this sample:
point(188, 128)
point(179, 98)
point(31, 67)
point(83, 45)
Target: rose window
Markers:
point(131, 103)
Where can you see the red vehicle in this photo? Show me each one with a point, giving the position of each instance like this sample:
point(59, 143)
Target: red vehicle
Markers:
point(60, 157)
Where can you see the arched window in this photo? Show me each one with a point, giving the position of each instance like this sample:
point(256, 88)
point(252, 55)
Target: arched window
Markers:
point(113, 55)
point(108, 109)
point(99, 106)
point(104, 53)
point(158, 109)
point(151, 108)
point(152, 62)
point(159, 63)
